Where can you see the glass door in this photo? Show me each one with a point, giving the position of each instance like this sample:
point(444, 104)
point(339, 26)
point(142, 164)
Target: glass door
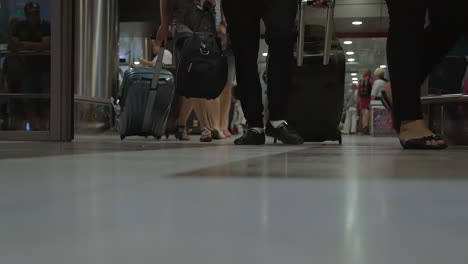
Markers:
point(33, 77)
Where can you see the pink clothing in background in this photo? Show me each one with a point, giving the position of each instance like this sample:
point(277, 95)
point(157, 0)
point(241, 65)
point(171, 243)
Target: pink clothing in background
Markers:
point(364, 102)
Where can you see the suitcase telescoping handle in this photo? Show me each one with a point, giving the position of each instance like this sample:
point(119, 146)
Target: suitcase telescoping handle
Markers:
point(153, 91)
point(303, 4)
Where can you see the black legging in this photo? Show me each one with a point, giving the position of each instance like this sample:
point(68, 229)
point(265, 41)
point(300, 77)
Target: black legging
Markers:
point(414, 51)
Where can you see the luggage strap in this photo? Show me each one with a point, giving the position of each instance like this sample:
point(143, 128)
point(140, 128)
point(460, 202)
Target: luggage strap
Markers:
point(147, 121)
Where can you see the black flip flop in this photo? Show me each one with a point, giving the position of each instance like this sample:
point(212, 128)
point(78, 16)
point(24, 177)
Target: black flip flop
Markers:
point(421, 143)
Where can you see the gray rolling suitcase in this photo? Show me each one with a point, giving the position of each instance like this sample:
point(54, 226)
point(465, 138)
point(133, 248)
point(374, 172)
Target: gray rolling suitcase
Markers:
point(316, 98)
point(147, 95)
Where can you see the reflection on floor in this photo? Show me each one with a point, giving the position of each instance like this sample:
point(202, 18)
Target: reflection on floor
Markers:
point(102, 201)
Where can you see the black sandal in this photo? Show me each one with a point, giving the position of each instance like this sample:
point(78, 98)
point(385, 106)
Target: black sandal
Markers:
point(421, 143)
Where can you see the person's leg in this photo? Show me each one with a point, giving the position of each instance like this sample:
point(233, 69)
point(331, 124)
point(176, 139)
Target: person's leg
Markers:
point(213, 114)
point(406, 60)
point(279, 20)
point(354, 120)
point(347, 123)
point(226, 98)
point(244, 29)
point(225, 105)
point(243, 21)
point(44, 108)
point(212, 111)
point(365, 118)
point(405, 57)
point(31, 84)
point(186, 108)
point(279, 17)
point(199, 106)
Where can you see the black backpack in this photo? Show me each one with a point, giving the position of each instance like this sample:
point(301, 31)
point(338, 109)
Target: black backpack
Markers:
point(365, 87)
point(202, 70)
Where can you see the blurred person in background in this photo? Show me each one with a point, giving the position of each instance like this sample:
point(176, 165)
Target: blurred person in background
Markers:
point(350, 108)
point(379, 84)
point(30, 74)
point(364, 99)
point(213, 115)
point(167, 59)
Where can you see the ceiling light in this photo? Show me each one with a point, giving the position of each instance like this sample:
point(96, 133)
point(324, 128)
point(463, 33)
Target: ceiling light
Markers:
point(136, 63)
point(355, 82)
point(353, 74)
point(348, 42)
point(265, 54)
point(355, 79)
point(351, 60)
point(357, 23)
point(350, 53)
point(383, 66)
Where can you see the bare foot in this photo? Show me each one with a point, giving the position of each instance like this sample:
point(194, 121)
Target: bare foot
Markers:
point(417, 129)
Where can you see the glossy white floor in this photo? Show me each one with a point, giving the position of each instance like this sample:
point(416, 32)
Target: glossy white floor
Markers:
point(100, 201)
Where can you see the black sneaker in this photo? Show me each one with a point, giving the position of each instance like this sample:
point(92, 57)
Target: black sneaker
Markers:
point(285, 134)
point(251, 137)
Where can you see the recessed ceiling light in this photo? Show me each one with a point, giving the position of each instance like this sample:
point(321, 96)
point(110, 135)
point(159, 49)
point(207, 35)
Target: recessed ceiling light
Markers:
point(353, 74)
point(136, 63)
point(348, 42)
point(265, 54)
point(350, 53)
point(383, 66)
point(357, 23)
point(355, 82)
point(355, 79)
point(351, 60)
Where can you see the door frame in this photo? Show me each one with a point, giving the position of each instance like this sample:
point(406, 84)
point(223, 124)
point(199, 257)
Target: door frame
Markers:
point(61, 85)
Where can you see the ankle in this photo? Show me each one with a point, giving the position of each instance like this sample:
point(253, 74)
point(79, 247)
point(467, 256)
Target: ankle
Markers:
point(413, 125)
point(259, 130)
point(206, 131)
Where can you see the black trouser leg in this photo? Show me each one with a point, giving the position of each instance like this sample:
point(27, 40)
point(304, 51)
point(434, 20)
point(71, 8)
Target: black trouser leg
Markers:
point(279, 17)
point(405, 57)
point(414, 52)
point(244, 28)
